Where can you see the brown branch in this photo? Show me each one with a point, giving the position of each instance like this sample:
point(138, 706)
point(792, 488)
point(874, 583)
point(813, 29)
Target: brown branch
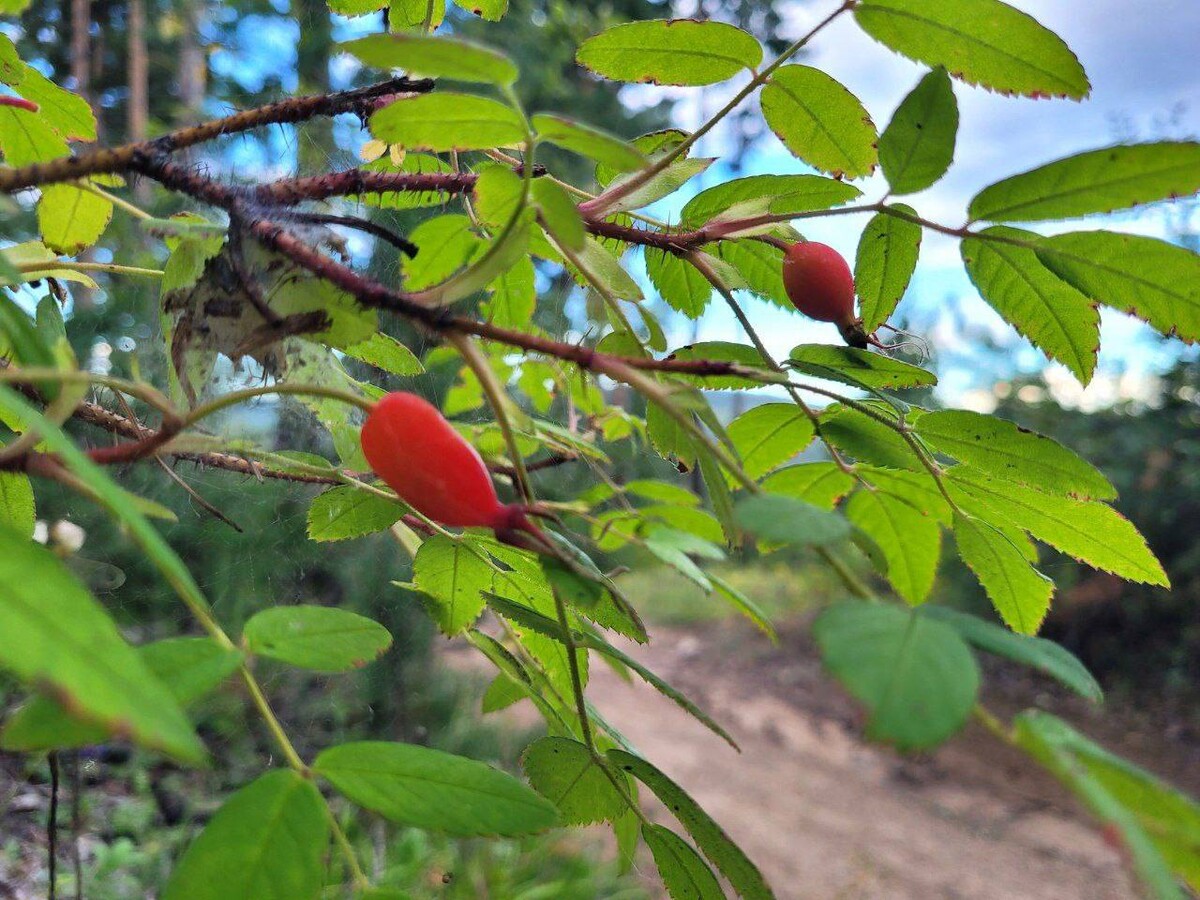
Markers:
point(373, 294)
point(288, 191)
point(120, 159)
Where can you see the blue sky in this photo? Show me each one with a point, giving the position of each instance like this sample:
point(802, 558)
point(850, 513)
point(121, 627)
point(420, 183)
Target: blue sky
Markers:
point(1142, 61)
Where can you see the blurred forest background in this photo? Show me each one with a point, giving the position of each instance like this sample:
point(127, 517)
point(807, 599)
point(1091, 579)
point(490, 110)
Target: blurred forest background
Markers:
point(148, 66)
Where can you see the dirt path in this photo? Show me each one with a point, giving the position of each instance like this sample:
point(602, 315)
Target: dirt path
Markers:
point(824, 815)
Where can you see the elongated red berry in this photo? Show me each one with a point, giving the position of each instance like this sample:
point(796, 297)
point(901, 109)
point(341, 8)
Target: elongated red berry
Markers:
point(420, 456)
point(819, 282)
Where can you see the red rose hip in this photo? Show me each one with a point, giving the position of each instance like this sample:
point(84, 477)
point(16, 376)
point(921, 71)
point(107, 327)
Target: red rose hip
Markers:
point(420, 456)
point(820, 284)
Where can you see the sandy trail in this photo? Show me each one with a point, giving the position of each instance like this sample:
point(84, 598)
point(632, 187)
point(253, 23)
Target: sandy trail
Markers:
point(825, 815)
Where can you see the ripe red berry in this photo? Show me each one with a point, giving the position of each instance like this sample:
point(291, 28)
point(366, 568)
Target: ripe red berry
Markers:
point(420, 456)
point(819, 282)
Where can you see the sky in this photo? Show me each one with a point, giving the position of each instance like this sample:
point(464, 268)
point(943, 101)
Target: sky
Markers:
point(1142, 62)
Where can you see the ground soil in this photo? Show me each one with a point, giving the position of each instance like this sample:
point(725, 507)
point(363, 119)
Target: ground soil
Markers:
point(825, 815)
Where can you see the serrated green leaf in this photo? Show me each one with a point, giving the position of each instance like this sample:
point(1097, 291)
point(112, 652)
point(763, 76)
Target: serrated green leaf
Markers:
point(1099, 181)
point(71, 218)
point(16, 503)
point(320, 638)
point(761, 267)
point(654, 145)
point(67, 113)
point(447, 244)
point(712, 840)
point(411, 13)
point(744, 605)
point(786, 520)
point(385, 352)
point(684, 874)
point(558, 213)
point(670, 51)
point(983, 42)
point(768, 435)
point(435, 57)
point(1019, 592)
point(588, 141)
point(820, 121)
point(723, 351)
point(427, 788)
point(867, 439)
point(489, 10)
point(1058, 319)
point(858, 368)
point(777, 194)
point(1036, 653)
point(884, 265)
point(1088, 530)
point(822, 484)
point(679, 283)
point(916, 677)
point(447, 121)
point(917, 147)
point(597, 266)
point(71, 648)
point(563, 771)
point(413, 164)
point(267, 842)
point(909, 539)
point(454, 576)
point(662, 492)
point(1153, 822)
point(347, 512)
point(1145, 277)
point(25, 138)
point(514, 297)
point(1004, 450)
point(665, 183)
point(917, 488)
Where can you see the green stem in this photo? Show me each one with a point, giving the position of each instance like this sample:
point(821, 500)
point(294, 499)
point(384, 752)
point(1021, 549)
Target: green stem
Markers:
point(136, 211)
point(110, 268)
point(308, 390)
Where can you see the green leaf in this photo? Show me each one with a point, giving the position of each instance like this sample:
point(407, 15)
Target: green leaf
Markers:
point(71, 649)
point(678, 282)
point(588, 141)
point(665, 183)
point(1057, 318)
point(745, 606)
point(775, 194)
point(1019, 592)
point(558, 213)
point(670, 51)
point(917, 147)
point(654, 145)
point(786, 520)
point(884, 264)
point(413, 164)
point(916, 677)
point(435, 57)
point(1036, 653)
point(761, 267)
point(597, 266)
point(1099, 181)
point(411, 13)
point(684, 874)
point(909, 539)
point(673, 547)
point(320, 638)
point(189, 667)
point(447, 244)
point(917, 488)
point(489, 10)
point(1090, 531)
point(66, 113)
point(385, 352)
point(712, 840)
point(43, 262)
point(983, 42)
point(267, 842)
point(820, 121)
point(447, 121)
point(768, 435)
point(356, 7)
point(1145, 277)
point(1157, 826)
point(427, 788)
point(858, 368)
point(563, 771)
point(514, 297)
point(347, 512)
point(723, 351)
point(867, 439)
point(662, 491)
point(455, 576)
point(1004, 450)
point(822, 483)
point(16, 503)
point(71, 218)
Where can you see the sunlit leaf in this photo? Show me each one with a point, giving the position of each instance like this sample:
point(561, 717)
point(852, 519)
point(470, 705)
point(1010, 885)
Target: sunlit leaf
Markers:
point(563, 771)
point(447, 121)
point(436, 57)
point(917, 147)
point(670, 51)
point(884, 264)
point(820, 121)
point(321, 638)
point(685, 875)
point(347, 512)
